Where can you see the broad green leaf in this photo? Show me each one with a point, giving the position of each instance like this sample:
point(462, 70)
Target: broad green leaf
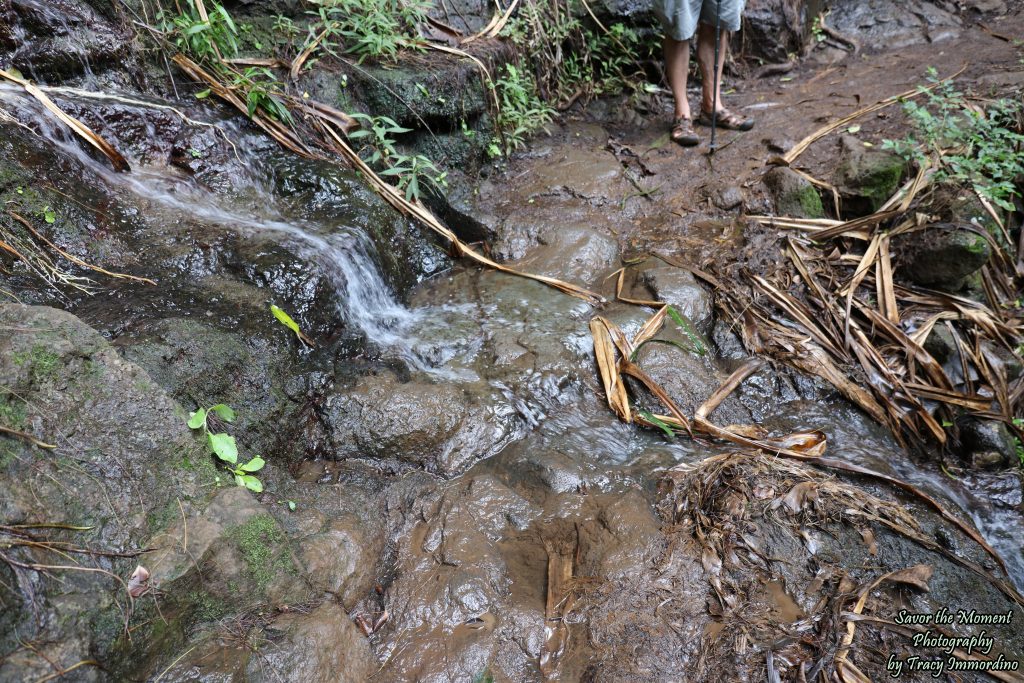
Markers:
point(285, 319)
point(291, 505)
point(197, 419)
point(224, 447)
point(239, 480)
point(853, 130)
point(223, 412)
point(254, 465)
point(203, 94)
point(49, 215)
point(252, 483)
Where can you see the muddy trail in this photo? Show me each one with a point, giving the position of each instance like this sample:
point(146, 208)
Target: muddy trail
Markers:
point(446, 494)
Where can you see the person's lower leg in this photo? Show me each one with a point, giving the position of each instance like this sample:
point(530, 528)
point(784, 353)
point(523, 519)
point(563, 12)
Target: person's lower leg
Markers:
point(705, 58)
point(677, 64)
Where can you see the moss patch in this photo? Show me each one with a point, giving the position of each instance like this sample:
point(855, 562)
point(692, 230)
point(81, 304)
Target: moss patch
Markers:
point(810, 202)
point(264, 549)
point(41, 361)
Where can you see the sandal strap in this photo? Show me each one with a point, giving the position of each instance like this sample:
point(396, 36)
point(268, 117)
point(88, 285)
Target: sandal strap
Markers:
point(684, 124)
point(726, 117)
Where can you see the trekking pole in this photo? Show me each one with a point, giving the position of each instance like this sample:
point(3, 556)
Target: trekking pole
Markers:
point(714, 94)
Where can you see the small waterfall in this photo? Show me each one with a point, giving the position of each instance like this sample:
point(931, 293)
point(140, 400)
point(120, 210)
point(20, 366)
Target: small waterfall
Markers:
point(346, 255)
point(65, 29)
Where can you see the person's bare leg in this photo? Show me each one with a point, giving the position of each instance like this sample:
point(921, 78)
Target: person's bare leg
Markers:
point(705, 58)
point(677, 64)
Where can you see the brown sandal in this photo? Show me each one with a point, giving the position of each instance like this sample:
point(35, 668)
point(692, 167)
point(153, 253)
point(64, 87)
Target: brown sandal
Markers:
point(683, 133)
point(726, 119)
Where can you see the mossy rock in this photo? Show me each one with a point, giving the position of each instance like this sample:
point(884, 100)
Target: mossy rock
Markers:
point(944, 255)
point(867, 177)
point(794, 196)
point(115, 434)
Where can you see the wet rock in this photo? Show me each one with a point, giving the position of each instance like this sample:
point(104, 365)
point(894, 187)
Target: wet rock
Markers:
point(735, 522)
point(728, 197)
point(866, 177)
point(319, 646)
point(680, 289)
point(433, 426)
point(327, 193)
point(987, 444)
point(681, 363)
point(440, 94)
point(59, 39)
point(333, 559)
point(201, 365)
point(941, 255)
point(883, 24)
point(775, 29)
point(573, 253)
point(794, 196)
point(125, 467)
point(940, 344)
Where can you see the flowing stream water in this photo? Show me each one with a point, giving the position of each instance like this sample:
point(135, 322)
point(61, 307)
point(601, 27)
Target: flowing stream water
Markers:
point(440, 335)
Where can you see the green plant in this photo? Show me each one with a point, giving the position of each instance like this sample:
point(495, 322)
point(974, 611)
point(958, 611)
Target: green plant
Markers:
point(983, 148)
point(1017, 446)
point(223, 445)
point(368, 28)
point(817, 31)
point(521, 110)
point(378, 149)
point(206, 40)
point(263, 92)
point(411, 172)
point(570, 59)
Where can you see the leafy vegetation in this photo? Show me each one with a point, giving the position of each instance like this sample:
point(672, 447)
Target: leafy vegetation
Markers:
point(223, 445)
point(367, 28)
point(981, 147)
point(521, 113)
point(206, 40)
point(378, 149)
point(574, 59)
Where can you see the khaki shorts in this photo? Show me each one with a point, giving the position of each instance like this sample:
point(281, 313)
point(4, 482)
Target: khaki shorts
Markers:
point(679, 17)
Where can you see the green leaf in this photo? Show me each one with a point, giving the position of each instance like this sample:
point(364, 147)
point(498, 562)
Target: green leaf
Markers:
point(285, 319)
point(49, 215)
point(687, 328)
point(203, 94)
point(239, 480)
point(223, 446)
point(227, 18)
point(223, 412)
point(291, 505)
point(655, 421)
point(853, 130)
point(197, 419)
point(254, 465)
point(252, 483)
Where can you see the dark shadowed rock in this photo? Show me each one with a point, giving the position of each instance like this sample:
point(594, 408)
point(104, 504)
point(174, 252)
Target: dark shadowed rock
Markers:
point(775, 29)
point(55, 40)
point(941, 255)
point(987, 444)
